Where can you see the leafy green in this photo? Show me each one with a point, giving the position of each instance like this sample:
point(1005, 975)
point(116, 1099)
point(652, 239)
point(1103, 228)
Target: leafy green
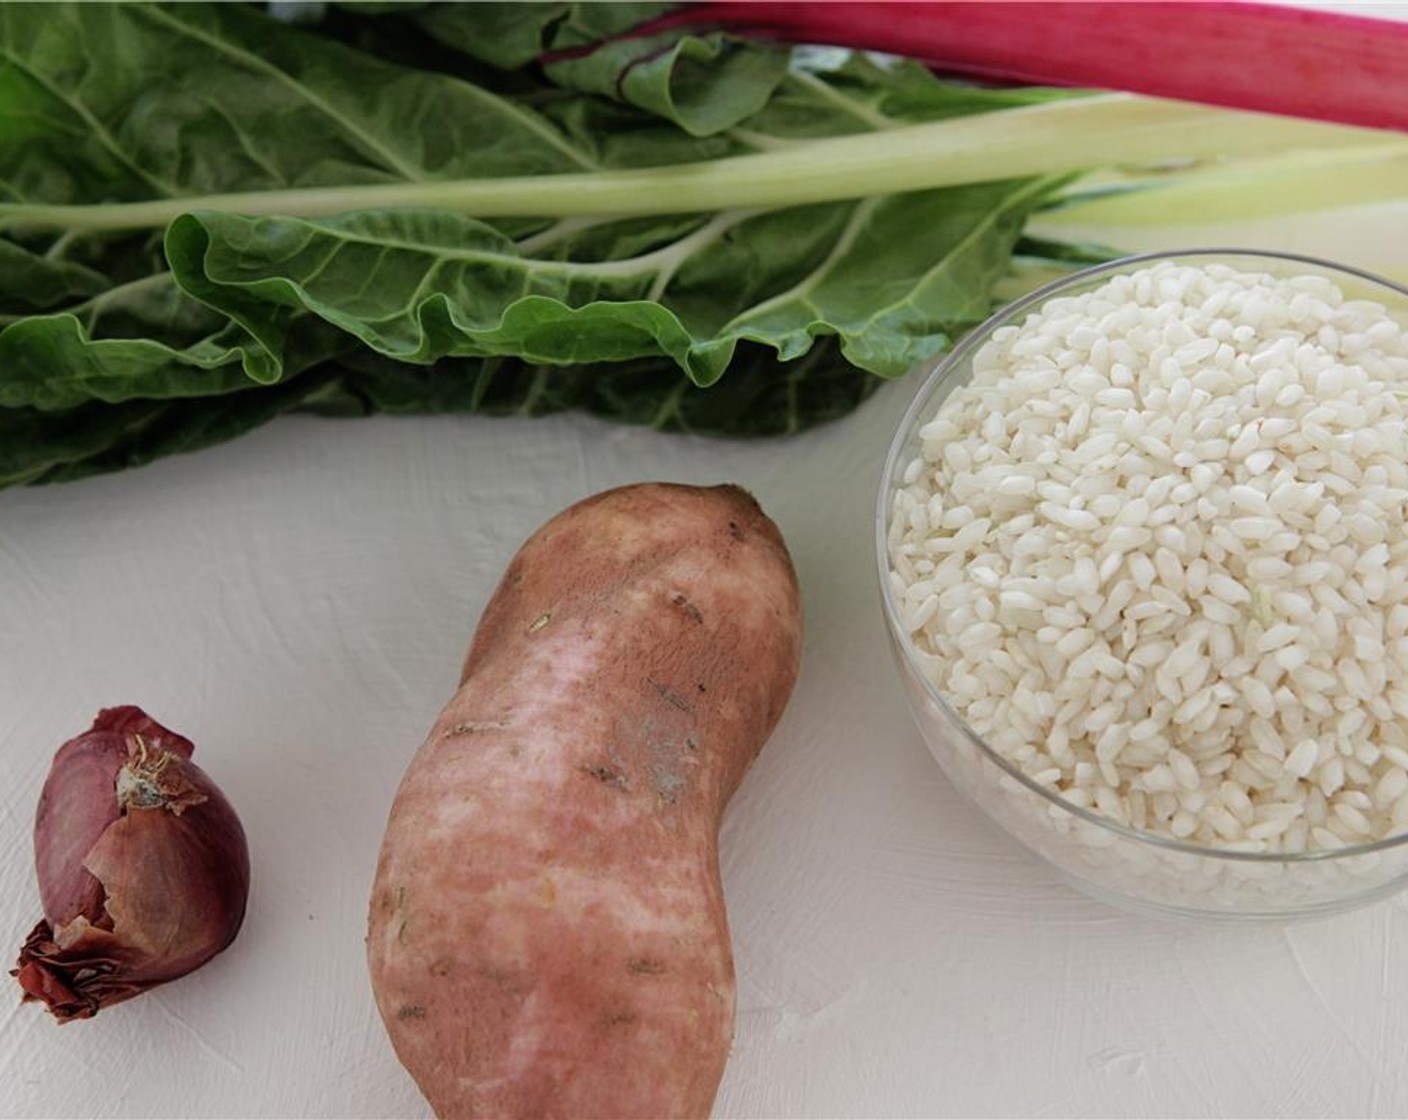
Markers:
point(892, 276)
point(94, 438)
point(511, 36)
point(765, 398)
point(120, 346)
point(703, 84)
point(31, 281)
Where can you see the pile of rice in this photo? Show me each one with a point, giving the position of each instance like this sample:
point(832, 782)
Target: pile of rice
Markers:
point(1155, 554)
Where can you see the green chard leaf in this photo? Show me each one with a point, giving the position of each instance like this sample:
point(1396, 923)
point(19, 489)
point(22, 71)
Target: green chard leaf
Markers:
point(505, 35)
point(96, 438)
point(29, 281)
point(242, 106)
point(893, 276)
point(118, 347)
point(703, 84)
point(766, 398)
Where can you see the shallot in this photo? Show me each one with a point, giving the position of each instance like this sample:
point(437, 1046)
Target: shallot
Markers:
point(143, 867)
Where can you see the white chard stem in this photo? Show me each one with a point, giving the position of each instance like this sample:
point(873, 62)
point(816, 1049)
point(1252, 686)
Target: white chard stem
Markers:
point(1057, 137)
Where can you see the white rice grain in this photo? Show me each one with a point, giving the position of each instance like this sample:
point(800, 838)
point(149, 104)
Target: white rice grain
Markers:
point(1157, 547)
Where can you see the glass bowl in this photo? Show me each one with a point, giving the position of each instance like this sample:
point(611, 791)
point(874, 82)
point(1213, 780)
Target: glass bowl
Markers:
point(1111, 861)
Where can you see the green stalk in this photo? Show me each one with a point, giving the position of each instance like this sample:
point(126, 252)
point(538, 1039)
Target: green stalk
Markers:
point(1055, 137)
point(1254, 188)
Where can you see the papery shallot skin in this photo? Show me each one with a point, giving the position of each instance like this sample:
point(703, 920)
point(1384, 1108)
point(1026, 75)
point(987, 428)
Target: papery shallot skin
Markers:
point(143, 867)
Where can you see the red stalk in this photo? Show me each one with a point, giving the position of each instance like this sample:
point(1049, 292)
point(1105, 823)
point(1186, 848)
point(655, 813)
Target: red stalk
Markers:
point(1314, 64)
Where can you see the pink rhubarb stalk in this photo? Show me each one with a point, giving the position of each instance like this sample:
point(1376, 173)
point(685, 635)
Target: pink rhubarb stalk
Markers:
point(1319, 65)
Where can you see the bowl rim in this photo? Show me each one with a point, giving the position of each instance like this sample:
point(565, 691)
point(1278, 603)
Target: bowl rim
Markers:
point(937, 372)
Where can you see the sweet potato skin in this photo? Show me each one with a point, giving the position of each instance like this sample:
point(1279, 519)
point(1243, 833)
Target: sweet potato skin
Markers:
point(547, 934)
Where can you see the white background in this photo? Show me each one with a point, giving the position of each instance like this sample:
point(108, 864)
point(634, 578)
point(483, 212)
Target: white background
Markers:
point(298, 602)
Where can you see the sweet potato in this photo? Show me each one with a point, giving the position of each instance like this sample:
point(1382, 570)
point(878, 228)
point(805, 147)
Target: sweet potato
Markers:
point(547, 933)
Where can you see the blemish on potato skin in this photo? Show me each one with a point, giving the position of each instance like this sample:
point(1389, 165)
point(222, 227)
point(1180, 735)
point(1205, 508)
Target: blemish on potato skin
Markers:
point(441, 966)
point(470, 726)
point(673, 698)
point(646, 966)
point(410, 1011)
point(689, 609)
point(606, 775)
point(618, 1018)
point(668, 784)
point(508, 982)
point(539, 622)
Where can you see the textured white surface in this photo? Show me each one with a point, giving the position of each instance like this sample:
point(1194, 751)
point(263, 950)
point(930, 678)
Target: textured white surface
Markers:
point(298, 603)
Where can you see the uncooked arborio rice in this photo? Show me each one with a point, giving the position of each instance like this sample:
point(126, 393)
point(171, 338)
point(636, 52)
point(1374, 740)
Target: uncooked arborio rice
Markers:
point(1155, 554)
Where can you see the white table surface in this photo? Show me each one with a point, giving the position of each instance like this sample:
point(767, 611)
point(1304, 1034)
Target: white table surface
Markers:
point(298, 602)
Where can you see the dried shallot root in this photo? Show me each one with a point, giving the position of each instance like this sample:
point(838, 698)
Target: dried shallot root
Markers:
point(143, 868)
